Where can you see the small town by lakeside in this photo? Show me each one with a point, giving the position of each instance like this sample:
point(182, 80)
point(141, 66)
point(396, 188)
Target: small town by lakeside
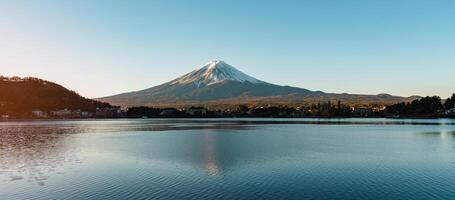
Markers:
point(426, 107)
point(35, 98)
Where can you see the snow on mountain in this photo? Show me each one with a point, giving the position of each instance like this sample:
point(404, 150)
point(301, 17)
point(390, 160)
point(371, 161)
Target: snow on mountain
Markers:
point(219, 81)
point(215, 71)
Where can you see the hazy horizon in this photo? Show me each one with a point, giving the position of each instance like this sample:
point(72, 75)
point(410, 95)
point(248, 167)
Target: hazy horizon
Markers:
point(102, 48)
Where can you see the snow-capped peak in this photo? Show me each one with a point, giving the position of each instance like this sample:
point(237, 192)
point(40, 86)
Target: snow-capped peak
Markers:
point(213, 72)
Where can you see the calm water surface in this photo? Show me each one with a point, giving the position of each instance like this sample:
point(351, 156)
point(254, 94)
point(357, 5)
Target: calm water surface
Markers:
point(228, 159)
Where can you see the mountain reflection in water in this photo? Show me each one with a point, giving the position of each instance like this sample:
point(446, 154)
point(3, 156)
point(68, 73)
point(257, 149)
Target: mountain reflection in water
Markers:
point(228, 159)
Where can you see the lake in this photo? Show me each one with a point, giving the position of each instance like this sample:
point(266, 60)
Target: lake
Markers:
point(228, 159)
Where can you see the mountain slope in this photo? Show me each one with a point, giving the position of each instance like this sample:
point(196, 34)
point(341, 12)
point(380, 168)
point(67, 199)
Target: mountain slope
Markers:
point(218, 81)
point(19, 97)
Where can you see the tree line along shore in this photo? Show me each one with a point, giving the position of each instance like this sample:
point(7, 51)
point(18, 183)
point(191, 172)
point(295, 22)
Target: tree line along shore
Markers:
point(426, 107)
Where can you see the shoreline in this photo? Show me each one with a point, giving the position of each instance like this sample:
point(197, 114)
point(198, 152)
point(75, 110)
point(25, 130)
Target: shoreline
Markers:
point(161, 118)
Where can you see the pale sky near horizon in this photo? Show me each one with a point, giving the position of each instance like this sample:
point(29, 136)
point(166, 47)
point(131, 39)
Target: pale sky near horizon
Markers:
point(100, 48)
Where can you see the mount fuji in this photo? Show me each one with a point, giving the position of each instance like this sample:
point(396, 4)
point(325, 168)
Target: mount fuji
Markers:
point(219, 82)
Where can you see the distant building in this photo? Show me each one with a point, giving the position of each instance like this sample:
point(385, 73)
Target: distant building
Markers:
point(112, 112)
point(85, 114)
point(65, 113)
point(196, 111)
point(362, 111)
point(450, 111)
point(379, 109)
point(76, 114)
point(169, 112)
point(39, 114)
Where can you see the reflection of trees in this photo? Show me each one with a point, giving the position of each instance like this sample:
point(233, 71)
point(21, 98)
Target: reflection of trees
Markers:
point(38, 149)
point(440, 133)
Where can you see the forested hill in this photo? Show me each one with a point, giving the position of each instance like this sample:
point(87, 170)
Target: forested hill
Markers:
point(19, 96)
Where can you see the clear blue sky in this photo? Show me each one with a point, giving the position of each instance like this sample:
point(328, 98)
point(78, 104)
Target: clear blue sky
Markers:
point(100, 48)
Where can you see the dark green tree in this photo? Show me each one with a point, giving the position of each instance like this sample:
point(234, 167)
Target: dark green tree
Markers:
point(450, 102)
